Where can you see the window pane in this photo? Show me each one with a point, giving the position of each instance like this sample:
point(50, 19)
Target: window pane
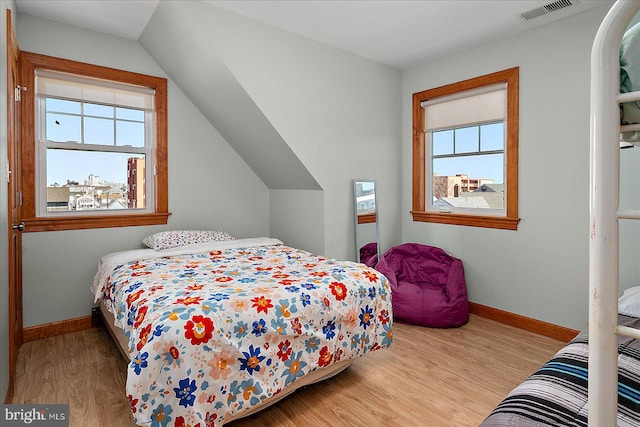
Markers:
point(469, 182)
point(365, 197)
point(98, 110)
point(98, 131)
point(467, 140)
point(91, 180)
point(62, 106)
point(492, 137)
point(129, 114)
point(129, 134)
point(485, 166)
point(442, 142)
point(62, 128)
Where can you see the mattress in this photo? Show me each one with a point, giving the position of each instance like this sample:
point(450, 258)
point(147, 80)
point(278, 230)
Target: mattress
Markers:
point(219, 330)
point(313, 377)
point(556, 394)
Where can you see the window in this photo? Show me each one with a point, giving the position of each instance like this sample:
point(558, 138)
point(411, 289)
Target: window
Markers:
point(95, 146)
point(465, 152)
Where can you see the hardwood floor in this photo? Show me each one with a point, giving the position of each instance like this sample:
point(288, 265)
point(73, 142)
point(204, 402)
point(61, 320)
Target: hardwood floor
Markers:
point(429, 377)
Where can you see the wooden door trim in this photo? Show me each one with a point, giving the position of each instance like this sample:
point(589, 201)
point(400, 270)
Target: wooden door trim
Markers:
point(14, 285)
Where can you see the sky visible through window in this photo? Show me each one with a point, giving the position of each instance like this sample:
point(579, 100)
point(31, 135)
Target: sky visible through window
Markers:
point(63, 165)
point(487, 166)
point(490, 137)
point(102, 125)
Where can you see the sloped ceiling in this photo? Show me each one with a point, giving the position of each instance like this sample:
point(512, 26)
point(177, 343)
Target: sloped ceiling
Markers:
point(186, 52)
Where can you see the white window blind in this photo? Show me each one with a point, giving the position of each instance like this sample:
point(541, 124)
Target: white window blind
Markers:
point(66, 86)
point(470, 107)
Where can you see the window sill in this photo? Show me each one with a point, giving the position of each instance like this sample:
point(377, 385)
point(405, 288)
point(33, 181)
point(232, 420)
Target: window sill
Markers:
point(504, 223)
point(366, 218)
point(86, 222)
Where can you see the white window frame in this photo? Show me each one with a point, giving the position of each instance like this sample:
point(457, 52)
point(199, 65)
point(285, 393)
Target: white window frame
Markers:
point(42, 145)
point(465, 210)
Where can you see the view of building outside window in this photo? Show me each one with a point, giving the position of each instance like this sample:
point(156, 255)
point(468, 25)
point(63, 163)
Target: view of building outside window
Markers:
point(365, 197)
point(95, 156)
point(468, 167)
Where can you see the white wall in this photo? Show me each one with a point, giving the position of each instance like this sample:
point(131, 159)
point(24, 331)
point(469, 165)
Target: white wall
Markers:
point(4, 213)
point(540, 270)
point(210, 187)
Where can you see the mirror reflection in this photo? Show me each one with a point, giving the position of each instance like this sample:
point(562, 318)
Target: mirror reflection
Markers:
point(366, 222)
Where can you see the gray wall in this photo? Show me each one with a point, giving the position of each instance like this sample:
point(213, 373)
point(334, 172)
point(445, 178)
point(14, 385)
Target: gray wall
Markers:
point(340, 114)
point(4, 238)
point(293, 214)
point(210, 187)
point(184, 38)
point(540, 270)
point(345, 117)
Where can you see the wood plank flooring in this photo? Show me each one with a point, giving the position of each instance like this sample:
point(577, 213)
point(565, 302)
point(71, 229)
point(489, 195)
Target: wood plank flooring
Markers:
point(429, 377)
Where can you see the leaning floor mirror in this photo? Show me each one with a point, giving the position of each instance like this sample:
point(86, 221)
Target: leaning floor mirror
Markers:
point(366, 222)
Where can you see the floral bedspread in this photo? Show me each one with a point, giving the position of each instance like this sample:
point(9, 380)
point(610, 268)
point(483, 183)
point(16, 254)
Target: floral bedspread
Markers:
point(217, 330)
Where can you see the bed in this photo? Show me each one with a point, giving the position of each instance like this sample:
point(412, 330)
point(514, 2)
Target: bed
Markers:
point(556, 394)
point(615, 47)
point(595, 379)
point(216, 330)
point(630, 82)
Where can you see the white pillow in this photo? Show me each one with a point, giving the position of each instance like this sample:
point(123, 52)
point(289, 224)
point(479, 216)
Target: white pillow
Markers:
point(175, 238)
point(629, 302)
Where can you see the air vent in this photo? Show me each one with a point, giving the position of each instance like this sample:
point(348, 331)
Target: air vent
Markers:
point(546, 9)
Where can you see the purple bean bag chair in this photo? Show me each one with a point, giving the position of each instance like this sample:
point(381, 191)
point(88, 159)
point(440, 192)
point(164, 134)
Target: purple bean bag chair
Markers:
point(369, 254)
point(427, 286)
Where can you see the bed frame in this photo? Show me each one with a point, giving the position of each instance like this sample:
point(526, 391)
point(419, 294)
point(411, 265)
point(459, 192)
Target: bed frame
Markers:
point(313, 377)
point(605, 213)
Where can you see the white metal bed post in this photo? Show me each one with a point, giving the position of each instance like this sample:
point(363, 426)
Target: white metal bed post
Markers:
point(604, 204)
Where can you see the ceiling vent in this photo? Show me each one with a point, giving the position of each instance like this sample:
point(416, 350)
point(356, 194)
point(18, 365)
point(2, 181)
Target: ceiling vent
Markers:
point(546, 9)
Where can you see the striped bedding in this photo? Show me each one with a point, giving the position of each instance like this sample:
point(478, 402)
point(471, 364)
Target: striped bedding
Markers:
point(556, 395)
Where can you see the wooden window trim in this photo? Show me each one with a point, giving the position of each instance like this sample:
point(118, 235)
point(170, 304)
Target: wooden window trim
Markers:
point(367, 218)
point(419, 167)
point(29, 63)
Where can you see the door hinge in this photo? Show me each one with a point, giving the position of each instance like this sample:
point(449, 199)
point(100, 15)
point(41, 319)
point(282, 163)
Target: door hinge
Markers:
point(18, 93)
point(19, 198)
